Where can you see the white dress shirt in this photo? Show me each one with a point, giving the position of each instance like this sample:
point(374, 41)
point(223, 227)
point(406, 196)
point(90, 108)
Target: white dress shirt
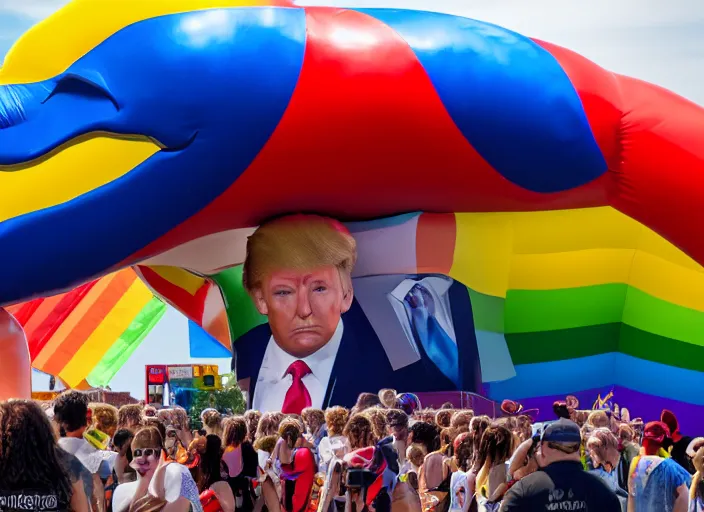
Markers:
point(273, 383)
point(438, 287)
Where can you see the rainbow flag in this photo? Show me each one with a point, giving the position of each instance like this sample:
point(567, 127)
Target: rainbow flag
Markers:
point(84, 336)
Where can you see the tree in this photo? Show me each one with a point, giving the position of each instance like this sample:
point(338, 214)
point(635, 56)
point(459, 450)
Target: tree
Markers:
point(228, 400)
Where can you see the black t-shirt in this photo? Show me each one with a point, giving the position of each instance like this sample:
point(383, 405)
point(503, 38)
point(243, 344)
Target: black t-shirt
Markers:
point(31, 500)
point(561, 486)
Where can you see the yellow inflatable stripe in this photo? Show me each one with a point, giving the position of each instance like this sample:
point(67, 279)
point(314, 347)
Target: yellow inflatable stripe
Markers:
point(53, 45)
point(180, 277)
point(105, 335)
point(81, 167)
point(568, 249)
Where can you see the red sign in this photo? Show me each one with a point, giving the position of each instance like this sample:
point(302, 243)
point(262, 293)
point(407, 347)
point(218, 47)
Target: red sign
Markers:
point(156, 374)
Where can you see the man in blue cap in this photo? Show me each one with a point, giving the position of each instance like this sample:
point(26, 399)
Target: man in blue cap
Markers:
point(562, 483)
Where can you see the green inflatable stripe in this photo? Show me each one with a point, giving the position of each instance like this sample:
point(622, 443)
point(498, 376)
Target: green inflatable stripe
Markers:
point(241, 312)
point(663, 318)
point(488, 311)
point(551, 310)
point(539, 347)
point(649, 346)
point(122, 349)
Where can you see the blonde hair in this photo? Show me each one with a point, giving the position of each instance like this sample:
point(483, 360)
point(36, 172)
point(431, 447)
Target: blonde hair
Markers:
point(336, 419)
point(130, 415)
point(299, 242)
point(601, 441)
point(416, 453)
point(104, 417)
point(377, 416)
point(388, 397)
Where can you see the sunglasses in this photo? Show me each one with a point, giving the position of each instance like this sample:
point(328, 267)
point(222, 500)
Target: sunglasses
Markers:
point(147, 452)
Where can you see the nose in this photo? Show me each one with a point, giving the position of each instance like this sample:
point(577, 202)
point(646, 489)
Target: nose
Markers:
point(303, 307)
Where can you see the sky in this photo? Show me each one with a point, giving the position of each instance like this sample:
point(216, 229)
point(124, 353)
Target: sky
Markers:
point(661, 41)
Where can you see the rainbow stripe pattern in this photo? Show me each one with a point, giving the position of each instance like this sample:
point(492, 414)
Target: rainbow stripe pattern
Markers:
point(566, 171)
point(84, 336)
point(585, 298)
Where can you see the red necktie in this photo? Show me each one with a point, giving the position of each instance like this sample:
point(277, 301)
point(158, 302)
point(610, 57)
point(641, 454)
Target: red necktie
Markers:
point(297, 396)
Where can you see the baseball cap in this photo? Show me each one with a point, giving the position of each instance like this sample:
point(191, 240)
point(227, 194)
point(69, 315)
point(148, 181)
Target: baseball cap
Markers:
point(562, 431)
point(656, 432)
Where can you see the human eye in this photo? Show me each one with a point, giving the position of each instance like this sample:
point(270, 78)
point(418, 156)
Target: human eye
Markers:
point(282, 292)
point(320, 288)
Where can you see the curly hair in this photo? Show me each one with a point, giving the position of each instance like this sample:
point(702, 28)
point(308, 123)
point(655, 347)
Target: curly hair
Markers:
point(377, 416)
point(427, 434)
point(359, 432)
point(29, 455)
point(396, 418)
point(212, 420)
point(252, 418)
point(461, 420)
point(104, 417)
point(598, 419)
point(71, 410)
point(443, 418)
point(313, 418)
point(336, 419)
point(268, 424)
point(266, 443)
point(426, 415)
point(235, 431)
point(179, 418)
point(130, 417)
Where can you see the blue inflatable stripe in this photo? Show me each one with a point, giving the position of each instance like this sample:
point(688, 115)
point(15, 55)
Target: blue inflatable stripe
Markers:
point(613, 369)
point(203, 344)
point(246, 58)
point(509, 97)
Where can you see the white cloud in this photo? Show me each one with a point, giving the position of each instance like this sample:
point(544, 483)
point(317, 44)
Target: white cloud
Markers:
point(35, 9)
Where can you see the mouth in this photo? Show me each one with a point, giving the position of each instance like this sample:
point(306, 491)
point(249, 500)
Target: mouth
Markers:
point(73, 169)
point(307, 329)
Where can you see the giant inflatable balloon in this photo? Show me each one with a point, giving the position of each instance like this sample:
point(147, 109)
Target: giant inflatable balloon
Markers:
point(16, 379)
point(563, 196)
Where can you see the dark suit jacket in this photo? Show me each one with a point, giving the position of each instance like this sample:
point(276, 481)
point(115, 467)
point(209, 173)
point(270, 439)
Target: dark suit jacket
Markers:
point(362, 365)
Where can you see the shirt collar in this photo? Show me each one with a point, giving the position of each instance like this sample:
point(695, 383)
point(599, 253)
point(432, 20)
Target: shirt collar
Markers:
point(318, 361)
point(440, 284)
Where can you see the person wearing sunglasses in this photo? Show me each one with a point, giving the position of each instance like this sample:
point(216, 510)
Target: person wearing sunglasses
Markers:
point(161, 484)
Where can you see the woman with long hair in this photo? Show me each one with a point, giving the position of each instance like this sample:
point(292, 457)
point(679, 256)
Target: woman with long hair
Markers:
point(32, 466)
point(477, 426)
point(359, 432)
point(211, 485)
point(241, 460)
point(462, 481)
point(495, 450)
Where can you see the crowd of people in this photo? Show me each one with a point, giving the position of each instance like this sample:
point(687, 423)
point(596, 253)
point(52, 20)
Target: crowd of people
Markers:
point(385, 453)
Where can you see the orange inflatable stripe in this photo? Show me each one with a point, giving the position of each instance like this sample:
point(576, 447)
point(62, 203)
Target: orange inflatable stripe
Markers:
point(95, 312)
